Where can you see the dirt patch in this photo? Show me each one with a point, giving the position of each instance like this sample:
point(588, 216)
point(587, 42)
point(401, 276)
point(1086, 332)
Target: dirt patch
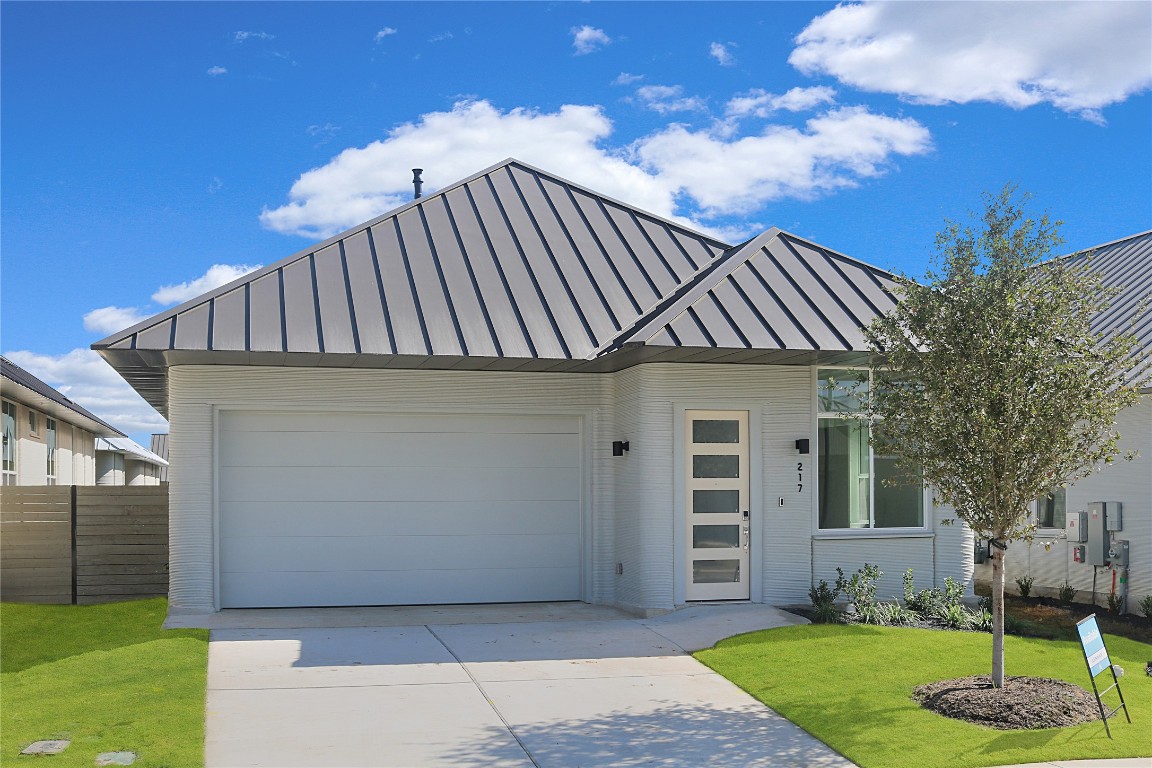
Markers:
point(1024, 703)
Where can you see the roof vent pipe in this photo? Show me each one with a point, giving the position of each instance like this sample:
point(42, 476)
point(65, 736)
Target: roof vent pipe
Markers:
point(417, 182)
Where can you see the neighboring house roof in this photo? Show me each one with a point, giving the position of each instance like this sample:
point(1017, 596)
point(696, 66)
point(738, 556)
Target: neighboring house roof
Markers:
point(18, 384)
point(160, 448)
point(517, 269)
point(130, 448)
point(1126, 264)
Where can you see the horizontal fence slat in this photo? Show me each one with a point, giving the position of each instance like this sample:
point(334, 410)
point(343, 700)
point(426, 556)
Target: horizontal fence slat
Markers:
point(123, 578)
point(115, 569)
point(122, 560)
point(90, 550)
point(123, 539)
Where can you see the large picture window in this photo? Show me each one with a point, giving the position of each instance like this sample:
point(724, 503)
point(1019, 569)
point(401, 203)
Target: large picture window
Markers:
point(853, 479)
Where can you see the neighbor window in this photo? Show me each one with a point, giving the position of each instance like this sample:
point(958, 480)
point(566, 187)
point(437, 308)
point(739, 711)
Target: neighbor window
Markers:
point(852, 487)
point(50, 441)
point(33, 423)
point(1050, 509)
point(9, 450)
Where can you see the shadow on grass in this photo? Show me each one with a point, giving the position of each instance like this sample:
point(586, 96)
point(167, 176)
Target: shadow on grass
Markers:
point(31, 635)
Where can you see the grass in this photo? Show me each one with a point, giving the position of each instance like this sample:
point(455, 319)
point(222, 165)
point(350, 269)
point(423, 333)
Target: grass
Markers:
point(851, 687)
point(105, 676)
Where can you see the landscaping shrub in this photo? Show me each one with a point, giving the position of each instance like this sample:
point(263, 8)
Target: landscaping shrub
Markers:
point(1146, 606)
point(1115, 602)
point(1024, 585)
point(1066, 592)
point(861, 588)
point(823, 598)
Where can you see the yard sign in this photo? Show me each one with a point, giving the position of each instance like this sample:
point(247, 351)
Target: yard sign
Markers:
point(1096, 656)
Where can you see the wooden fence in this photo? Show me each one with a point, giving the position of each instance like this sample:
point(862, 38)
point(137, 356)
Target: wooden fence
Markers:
point(83, 544)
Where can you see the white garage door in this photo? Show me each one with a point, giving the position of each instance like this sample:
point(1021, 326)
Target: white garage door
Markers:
point(367, 509)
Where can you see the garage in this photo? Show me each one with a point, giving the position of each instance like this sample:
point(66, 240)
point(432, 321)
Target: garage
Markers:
point(328, 509)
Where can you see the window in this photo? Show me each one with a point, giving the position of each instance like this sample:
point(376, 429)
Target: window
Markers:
point(50, 440)
point(852, 477)
point(1050, 509)
point(9, 451)
point(33, 422)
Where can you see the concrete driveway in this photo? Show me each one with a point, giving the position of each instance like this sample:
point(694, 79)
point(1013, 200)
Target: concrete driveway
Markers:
point(583, 688)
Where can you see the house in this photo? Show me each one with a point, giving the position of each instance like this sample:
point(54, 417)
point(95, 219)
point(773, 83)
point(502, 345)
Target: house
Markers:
point(1050, 559)
point(160, 448)
point(518, 389)
point(123, 461)
point(47, 438)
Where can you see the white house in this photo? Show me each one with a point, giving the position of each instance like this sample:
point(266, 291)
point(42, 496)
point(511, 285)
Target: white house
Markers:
point(123, 461)
point(47, 438)
point(1050, 559)
point(518, 389)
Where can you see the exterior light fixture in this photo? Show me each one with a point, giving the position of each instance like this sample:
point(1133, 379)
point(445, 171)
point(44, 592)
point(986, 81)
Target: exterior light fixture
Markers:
point(802, 445)
point(619, 447)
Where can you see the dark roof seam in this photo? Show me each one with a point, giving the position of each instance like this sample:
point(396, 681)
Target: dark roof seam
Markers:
point(283, 314)
point(380, 288)
point(351, 303)
point(171, 332)
point(443, 282)
point(528, 267)
point(604, 251)
point(833, 263)
point(563, 278)
point(652, 244)
point(674, 228)
point(756, 310)
point(316, 303)
point(472, 276)
point(631, 253)
point(576, 251)
point(684, 251)
point(780, 302)
point(247, 317)
point(211, 322)
point(412, 285)
point(699, 324)
point(823, 284)
point(500, 271)
point(728, 317)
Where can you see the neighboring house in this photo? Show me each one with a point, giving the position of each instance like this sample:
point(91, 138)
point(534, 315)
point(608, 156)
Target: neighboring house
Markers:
point(1049, 559)
point(160, 448)
point(122, 461)
point(47, 438)
point(518, 389)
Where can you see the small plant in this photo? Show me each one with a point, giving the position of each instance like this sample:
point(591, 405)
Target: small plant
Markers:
point(1146, 606)
point(1115, 602)
point(861, 588)
point(985, 603)
point(1066, 592)
point(957, 617)
point(823, 598)
point(1024, 585)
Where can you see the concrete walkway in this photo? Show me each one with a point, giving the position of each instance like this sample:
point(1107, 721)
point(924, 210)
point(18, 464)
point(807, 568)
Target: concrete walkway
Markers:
point(490, 686)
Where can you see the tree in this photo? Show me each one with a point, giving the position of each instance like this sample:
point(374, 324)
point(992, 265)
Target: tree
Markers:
point(991, 383)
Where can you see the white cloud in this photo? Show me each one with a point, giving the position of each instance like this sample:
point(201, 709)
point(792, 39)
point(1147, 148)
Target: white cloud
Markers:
point(1078, 56)
point(627, 78)
point(709, 173)
point(669, 98)
point(385, 32)
point(587, 39)
point(217, 71)
point(241, 37)
point(441, 37)
point(215, 185)
point(108, 320)
point(760, 103)
point(216, 276)
point(720, 52)
point(84, 377)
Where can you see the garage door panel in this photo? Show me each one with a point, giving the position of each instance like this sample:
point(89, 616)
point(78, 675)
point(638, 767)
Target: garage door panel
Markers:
point(404, 449)
point(282, 590)
point(316, 422)
point(395, 483)
point(398, 553)
point(399, 518)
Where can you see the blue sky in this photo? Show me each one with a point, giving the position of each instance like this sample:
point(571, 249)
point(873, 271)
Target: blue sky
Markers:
point(154, 150)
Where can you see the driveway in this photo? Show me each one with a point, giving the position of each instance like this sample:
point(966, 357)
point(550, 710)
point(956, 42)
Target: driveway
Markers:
point(569, 691)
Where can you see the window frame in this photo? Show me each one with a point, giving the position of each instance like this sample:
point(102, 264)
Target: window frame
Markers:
point(51, 435)
point(9, 475)
point(871, 531)
point(1057, 527)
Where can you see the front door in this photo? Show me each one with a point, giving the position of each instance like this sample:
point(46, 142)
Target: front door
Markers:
point(716, 498)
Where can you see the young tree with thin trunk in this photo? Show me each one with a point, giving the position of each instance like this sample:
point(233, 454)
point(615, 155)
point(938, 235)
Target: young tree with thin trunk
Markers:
point(990, 382)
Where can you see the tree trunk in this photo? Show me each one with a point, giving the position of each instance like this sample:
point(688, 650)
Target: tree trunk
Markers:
point(997, 616)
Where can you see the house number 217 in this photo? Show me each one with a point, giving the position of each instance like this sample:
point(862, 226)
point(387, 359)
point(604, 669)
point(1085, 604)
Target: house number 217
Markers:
point(799, 476)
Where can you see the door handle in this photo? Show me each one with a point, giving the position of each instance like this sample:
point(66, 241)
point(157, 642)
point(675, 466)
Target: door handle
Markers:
point(745, 537)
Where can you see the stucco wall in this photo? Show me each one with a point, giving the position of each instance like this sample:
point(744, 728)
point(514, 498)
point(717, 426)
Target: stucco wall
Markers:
point(75, 447)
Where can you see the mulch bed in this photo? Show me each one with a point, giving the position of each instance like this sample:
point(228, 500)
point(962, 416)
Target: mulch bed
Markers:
point(1024, 703)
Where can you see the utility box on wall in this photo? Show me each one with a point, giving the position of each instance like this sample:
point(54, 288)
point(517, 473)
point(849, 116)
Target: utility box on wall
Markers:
point(1074, 525)
point(1098, 527)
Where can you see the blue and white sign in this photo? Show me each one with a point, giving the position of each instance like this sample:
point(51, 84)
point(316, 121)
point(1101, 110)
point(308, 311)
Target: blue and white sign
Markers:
point(1093, 643)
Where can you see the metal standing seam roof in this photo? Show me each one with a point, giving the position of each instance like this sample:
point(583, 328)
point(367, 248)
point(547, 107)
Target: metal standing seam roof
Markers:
point(18, 375)
point(130, 448)
point(516, 269)
point(160, 448)
point(1126, 264)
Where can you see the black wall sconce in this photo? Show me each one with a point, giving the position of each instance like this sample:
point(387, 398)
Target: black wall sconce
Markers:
point(802, 445)
point(618, 447)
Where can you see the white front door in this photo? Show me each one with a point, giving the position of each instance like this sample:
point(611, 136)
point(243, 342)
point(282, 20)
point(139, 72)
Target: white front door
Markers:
point(716, 498)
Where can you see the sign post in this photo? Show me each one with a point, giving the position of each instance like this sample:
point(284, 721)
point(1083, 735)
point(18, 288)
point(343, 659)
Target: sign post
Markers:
point(1096, 656)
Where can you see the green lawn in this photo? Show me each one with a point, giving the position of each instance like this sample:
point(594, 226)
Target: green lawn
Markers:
point(851, 687)
point(105, 676)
